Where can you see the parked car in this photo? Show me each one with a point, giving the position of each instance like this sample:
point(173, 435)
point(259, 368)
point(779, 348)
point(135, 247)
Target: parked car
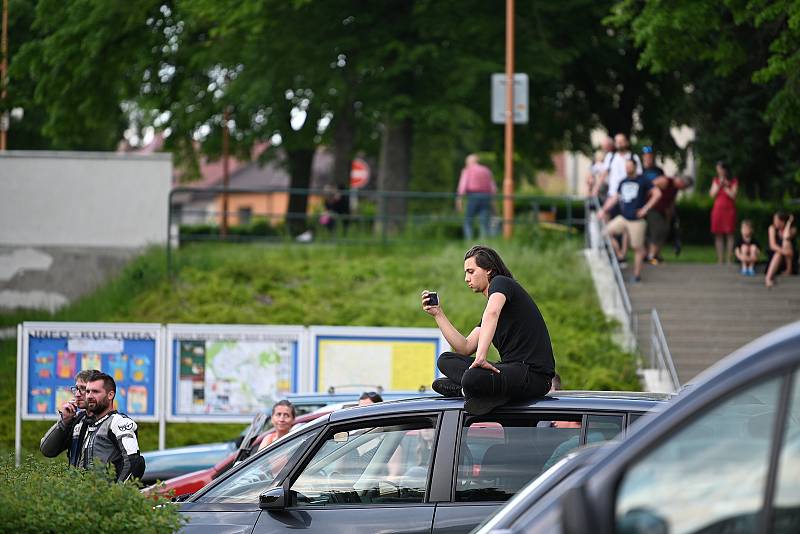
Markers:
point(184, 485)
point(184, 470)
point(177, 461)
point(166, 464)
point(724, 456)
point(409, 466)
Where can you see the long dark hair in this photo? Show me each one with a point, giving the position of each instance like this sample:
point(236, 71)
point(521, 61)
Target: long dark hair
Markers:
point(488, 259)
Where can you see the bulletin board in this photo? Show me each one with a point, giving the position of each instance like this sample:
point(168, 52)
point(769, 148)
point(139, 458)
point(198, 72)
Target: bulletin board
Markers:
point(231, 372)
point(391, 359)
point(53, 353)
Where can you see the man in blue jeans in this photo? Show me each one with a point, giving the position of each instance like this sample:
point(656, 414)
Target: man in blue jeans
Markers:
point(512, 322)
point(477, 185)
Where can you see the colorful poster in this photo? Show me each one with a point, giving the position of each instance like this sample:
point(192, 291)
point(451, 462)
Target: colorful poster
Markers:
point(126, 352)
point(137, 400)
point(63, 394)
point(43, 365)
point(231, 372)
point(67, 366)
point(121, 400)
point(118, 367)
point(42, 400)
point(91, 360)
point(141, 368)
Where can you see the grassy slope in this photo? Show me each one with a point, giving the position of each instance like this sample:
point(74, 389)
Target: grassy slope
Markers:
point(345, 285)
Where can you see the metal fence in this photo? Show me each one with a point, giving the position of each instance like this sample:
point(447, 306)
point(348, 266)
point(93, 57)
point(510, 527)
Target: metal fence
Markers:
point(660, 355)
point(272, 214)
point(607, 249)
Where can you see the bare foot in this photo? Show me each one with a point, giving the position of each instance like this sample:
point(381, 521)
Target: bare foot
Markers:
point(769, 283)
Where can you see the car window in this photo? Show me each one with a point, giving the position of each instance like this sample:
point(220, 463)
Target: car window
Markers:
point(708, 476)
point(500, 454)
point(369, 465)
point(602, 427)
point(786, 504)
point(249, 482)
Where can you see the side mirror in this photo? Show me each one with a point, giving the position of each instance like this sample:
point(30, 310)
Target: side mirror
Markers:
point(273, 499)
point(577, 512)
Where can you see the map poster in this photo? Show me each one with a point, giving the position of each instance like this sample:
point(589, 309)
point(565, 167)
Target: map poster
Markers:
point(53, 353)
point(390, 359)
point(225, 372)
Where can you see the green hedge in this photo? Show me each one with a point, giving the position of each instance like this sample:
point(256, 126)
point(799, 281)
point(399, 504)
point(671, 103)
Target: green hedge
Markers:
point(258, 228)
point(53, 497)
point(695, 216)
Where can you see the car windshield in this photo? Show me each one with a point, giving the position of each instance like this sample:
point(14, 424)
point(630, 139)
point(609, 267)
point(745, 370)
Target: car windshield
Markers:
point(256, 476)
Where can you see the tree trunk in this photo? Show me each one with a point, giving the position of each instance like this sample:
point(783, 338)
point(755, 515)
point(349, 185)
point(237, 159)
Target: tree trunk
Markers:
point(299, 163)
point(343, 142)
point(394, 171)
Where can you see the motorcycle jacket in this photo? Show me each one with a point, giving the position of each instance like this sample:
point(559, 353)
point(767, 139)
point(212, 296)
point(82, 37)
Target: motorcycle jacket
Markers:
point(111, 439)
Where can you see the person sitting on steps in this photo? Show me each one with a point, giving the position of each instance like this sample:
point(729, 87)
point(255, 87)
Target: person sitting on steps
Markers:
point(747, 248)
point(782, 249)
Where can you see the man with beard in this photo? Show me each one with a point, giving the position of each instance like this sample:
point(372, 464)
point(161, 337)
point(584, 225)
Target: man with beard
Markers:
point(110, 436)
point(65, 434)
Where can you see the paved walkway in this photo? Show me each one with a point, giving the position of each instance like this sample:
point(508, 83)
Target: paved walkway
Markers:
point(708, 311)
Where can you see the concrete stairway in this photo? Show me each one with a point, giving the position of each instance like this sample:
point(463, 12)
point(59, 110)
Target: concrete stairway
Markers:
point(708, 311)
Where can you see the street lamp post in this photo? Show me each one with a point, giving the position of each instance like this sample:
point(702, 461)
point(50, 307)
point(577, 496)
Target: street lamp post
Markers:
point(508, 176)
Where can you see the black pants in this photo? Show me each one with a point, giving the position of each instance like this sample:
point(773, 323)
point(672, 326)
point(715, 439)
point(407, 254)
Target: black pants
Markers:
point(515, 380)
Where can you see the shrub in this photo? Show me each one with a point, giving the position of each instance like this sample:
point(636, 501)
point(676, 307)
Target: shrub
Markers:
point(53, 497)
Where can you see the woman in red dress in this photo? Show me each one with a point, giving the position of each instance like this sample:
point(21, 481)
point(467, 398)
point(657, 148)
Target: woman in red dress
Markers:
point(723, 213)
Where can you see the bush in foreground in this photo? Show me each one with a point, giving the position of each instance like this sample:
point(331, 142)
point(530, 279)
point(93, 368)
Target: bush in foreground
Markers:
point(53, 497)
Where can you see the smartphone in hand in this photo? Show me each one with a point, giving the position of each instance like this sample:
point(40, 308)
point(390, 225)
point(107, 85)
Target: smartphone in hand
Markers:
point(433, 298)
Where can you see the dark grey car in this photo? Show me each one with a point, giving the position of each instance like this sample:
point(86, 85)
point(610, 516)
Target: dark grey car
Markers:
point(722, 457)
point(409, 466)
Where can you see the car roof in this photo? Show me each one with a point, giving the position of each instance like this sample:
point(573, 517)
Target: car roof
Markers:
point(556, 401)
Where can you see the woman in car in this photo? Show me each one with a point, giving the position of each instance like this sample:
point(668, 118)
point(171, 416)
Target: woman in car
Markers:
point(283, 415)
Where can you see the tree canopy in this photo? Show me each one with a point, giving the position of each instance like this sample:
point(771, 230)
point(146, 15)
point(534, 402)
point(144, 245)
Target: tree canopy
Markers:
point(408, 82)
point(739, 64)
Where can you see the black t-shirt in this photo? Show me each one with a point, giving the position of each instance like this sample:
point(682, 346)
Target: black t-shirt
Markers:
point(740, 241)
point(521, 334)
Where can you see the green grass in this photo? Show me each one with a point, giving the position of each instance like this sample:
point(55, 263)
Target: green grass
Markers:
point(321, 284)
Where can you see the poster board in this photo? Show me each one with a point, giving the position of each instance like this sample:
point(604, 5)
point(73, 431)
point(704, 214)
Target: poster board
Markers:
point(357, 359)
point(53, 353)
point(228, 373)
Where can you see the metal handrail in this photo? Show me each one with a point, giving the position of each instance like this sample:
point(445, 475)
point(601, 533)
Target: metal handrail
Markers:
point(660, 355)
point(611, 256)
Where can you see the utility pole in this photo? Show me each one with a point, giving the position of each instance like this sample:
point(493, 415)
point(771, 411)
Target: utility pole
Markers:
point(5, 119)
point(508, 176)
point(225, 176)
